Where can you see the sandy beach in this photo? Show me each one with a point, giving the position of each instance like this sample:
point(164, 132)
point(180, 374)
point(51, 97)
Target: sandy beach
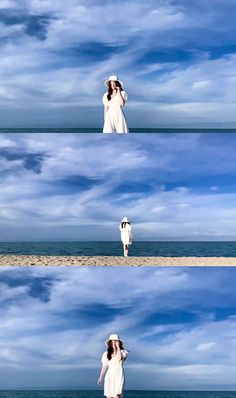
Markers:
point(33, 260)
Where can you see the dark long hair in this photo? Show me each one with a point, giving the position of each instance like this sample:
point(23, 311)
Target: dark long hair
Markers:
point(110, 349)
point(123, 224)
point(110, 89)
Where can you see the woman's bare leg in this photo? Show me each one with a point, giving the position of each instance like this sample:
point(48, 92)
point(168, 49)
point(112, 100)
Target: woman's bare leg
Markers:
point(126, 250)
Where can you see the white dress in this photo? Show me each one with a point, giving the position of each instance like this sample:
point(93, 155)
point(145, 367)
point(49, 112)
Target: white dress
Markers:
point(115, 377)
point(125, 234)
point(114, 117)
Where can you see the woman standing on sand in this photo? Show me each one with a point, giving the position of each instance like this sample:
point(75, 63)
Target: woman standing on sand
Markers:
point(113, 100)
point(126, 235)
point(112, 366)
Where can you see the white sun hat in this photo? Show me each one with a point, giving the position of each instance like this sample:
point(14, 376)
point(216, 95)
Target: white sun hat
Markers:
point(113, 336)
point(125, 219)
point(115, 78)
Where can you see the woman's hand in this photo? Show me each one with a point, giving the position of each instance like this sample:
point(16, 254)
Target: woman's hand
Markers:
point(117, 345)
point(99, 380)
point(122, 101)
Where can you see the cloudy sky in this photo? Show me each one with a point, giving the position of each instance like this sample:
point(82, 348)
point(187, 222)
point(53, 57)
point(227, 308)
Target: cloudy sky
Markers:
point(79, 186)
point(176, 57)
point(180, 333)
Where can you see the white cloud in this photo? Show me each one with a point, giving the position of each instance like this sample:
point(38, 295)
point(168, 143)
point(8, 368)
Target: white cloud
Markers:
point(63, 333)
point(56, 197)
point(206, 346)
point(47, 76)
point(201, 84)
point(7, 4)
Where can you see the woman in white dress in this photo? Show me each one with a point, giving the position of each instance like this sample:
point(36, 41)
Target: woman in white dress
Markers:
point(126, 235)
point(113, 100)
point(112, 367)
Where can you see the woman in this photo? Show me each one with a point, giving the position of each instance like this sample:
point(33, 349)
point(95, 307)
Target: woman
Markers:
point(125, 234)
point(112, 366)
point(113, 101)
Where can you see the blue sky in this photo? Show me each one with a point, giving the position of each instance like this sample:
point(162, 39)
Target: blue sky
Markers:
point(176, 57)
point(79, 186)
point(180, 332)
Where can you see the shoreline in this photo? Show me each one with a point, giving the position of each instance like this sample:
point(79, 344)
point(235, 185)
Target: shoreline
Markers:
point(41, 260)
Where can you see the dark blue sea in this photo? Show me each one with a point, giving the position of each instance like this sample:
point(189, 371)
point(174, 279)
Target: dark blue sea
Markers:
point(131, 130)
point(152, 249)
point(128, 394)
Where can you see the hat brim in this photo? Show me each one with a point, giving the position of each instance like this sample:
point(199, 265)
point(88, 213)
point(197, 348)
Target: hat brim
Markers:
point(107, 81)
point(107, 341)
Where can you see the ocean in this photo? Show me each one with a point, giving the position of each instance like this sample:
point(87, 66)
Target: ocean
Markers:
point(104, 248)
point(128, 394)
point(132, 130)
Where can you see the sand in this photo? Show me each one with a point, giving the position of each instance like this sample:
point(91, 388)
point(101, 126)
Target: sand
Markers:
point(15, 260)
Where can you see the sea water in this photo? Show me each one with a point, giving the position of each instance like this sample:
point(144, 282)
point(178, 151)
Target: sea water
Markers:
point(131, 130)
point(114, 248)
point(128, 394)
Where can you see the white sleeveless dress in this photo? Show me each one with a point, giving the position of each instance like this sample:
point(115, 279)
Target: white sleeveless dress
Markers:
point(114, 118)
point(125, 234)
point(115, 377)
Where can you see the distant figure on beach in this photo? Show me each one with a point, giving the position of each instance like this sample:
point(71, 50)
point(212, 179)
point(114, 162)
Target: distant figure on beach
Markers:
point(113, 100)
point(112, 366)
point(126, 235)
